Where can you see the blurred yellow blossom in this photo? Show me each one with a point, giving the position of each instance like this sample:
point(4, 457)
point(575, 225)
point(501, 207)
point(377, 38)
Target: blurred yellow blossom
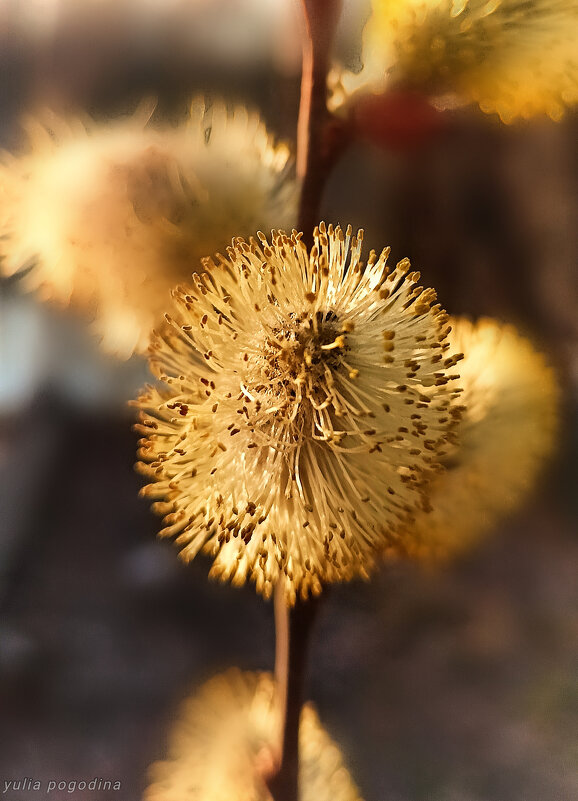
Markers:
point(507, 430)
point(110, 216)
point(517, 59)
point(220, 748)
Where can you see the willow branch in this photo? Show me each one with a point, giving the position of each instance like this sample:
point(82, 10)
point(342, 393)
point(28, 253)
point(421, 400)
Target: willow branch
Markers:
point(293, 627)
point(320, 136)
point(320, 139)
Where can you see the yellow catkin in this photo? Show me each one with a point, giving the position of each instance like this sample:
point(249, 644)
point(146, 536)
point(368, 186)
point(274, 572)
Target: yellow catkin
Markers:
point(110, 216)
point(221, 747)
point(507, 431)
point(515, 59)
point(304, 407)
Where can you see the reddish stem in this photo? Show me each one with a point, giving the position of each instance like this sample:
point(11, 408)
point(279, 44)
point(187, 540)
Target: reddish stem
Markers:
point(293, 627)
point(320, 140)
point(320, 136)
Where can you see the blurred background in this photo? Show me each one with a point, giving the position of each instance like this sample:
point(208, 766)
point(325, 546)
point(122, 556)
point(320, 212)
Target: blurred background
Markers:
point(457, 685)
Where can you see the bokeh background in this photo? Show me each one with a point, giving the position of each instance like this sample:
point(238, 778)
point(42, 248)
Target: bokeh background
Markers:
point(459, 685)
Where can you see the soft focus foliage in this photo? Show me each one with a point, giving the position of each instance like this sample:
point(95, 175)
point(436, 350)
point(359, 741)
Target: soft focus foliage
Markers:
point(222, 744)
point(517, 59)
point(508, 429)
point(111, 216)
point(306, 403)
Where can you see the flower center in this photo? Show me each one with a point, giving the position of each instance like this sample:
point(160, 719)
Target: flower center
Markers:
point(304, 348)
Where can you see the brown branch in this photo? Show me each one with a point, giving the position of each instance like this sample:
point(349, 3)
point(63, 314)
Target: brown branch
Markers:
point(320, 136)
point(320, 140)
point(293, 627)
